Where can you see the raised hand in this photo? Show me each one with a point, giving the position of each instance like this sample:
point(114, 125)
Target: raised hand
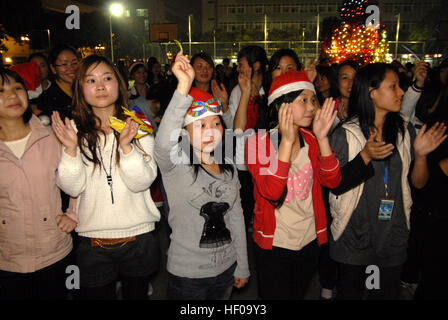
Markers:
point(310, 70)
point(245, 80)
point(127, 134)
point(376, 150)
point(219, 91)
point(184, 73)
point(65, 133)
point(324, 118)
point(428, 141)
point(421, 73)
point(286, 124)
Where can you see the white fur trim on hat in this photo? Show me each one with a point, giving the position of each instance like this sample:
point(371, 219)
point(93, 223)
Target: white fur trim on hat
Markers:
point(290, 87)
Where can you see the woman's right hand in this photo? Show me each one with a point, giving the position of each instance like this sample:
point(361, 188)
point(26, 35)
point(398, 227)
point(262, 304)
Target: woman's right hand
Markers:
point(376, 150)
point(245, 81)
point(286, 124)
point(184, 73)
point(65, 133)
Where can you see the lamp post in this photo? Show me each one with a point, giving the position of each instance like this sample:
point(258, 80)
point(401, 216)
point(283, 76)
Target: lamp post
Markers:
point(115, 9)
point(189, 34)
point(396, 36)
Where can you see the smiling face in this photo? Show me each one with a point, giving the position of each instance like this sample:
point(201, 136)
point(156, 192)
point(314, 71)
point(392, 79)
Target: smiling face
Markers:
point(303, 108)
point(389, 95)
point(140, 75)
point(205, 134)
point(203, 71)
point(13, 100)
point(100, 86)
point(345, 80)
point(285, 64)
point(65, 67)
point(322, 84)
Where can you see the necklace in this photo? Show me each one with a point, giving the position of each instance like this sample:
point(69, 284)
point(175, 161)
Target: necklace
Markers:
point(108, 175)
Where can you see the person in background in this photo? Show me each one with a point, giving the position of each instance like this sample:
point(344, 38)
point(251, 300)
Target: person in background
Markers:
point(282, 61)
point(432, 92)
point(139, 74)
point(64, 62)
point(326, 83)
point(35, 243)
point(431, 240)
point(203, 69)
point(44, 68)
point(252, 61)
point(155, 76)
point(346, 72)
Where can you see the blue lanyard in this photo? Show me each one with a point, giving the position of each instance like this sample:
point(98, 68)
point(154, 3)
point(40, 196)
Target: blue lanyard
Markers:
point(385, 170)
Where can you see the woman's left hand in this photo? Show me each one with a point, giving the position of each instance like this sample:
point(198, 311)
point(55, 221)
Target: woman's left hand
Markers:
point(324, 119)
point(129, 132)
point(427, 141)
point(240, 282)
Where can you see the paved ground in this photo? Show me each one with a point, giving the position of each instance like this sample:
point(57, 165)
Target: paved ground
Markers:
point(249, 292)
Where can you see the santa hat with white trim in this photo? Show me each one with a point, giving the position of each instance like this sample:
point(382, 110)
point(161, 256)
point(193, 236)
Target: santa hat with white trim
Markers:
point(288, 82)
point(204, 105)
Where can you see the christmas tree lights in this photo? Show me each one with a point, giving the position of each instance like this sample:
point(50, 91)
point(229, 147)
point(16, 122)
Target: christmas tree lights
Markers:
point(354, 40)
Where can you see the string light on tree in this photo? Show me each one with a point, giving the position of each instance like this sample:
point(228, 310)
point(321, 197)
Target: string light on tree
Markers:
point(354, 40)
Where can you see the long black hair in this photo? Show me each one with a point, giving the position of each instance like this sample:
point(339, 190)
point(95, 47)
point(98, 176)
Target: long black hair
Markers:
point(328, 72)
point(361, 106)
point(6, 75)
point(275, 61)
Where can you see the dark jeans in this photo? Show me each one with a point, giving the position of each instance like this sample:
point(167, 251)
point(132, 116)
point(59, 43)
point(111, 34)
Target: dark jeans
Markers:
point(45, 284)
point(133, 264)
point(285, 274)
point(247, 196)
point(328, 268)
point(352, 283)
point(212, 288)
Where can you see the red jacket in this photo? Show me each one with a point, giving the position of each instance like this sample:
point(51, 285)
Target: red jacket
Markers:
point(269, 184)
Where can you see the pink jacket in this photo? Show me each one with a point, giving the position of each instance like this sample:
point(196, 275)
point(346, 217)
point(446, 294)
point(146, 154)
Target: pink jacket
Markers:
point(29, 203)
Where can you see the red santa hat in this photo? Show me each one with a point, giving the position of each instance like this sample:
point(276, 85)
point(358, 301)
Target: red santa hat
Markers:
point(30, 74)
point(288, 82)
point(204, 105)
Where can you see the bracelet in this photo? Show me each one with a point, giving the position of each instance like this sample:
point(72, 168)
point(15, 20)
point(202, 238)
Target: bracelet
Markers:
point(416, 86)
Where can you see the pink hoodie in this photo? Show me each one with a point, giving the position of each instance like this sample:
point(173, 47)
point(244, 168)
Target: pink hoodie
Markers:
point(29, 203)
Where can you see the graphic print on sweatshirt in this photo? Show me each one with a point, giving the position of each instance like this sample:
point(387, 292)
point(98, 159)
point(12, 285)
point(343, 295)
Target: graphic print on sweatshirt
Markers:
point(300, 176)
point(213, 203)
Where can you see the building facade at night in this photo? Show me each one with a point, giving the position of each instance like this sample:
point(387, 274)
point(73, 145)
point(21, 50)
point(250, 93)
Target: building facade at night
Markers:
point(234, 15)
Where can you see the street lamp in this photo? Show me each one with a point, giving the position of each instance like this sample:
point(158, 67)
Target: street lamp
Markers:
point(115, 9)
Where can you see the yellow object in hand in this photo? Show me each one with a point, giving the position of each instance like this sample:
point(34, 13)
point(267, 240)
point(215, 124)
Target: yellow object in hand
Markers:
point(179, 44)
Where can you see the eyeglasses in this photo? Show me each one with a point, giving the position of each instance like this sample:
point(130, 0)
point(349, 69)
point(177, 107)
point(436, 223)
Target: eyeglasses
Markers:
point(66, 65)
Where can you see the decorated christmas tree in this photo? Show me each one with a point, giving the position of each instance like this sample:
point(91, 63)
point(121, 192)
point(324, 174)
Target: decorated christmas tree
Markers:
point(353, 39)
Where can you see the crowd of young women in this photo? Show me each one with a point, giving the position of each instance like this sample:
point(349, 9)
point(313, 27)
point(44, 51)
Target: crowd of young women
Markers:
point(325, 181)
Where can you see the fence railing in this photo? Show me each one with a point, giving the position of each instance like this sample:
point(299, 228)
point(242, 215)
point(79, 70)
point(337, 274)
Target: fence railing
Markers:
point(228, 49)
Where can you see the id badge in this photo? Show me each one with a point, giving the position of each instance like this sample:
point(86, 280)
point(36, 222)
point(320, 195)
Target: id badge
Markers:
point(385, 211)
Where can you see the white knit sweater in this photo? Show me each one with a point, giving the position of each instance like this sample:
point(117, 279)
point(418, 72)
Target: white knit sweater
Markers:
point(133, 211)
